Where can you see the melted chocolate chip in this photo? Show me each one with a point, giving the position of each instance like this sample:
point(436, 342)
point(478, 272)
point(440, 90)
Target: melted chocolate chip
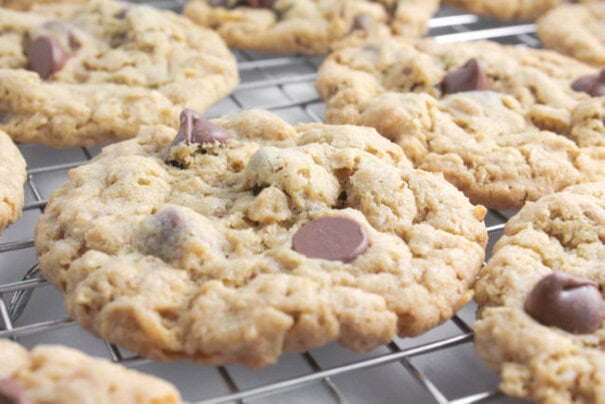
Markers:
point(470, 77)
point(197, 130)
point(331, 238)
point(569, 303)
point(45, 56)
point(11, 392)
point(593, 84)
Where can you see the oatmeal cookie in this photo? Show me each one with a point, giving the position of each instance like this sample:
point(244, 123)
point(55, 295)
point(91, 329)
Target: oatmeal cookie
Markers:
point(246, 237)
point(503, 124)
point(109, 68)
point(12, 177)
point(509, 9)
point(309, 26)
point(581, 36)
point(53, 374)
point(540, 320)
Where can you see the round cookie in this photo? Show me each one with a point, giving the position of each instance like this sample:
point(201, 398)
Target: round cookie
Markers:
point(309, 26)
point(247, 237)
point(499, 122)
point(540, 318)
point(28, 4)
point(583, 34)
point(54, 374)
point(509, 9)
point(104, 71)
point(12, 177)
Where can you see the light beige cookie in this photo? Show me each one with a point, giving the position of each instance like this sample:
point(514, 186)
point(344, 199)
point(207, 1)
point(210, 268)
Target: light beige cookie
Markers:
point(53, 374)
point(12, 177)
point(503, 124)
point(540, 320)
point(249, 237)
point(309, 26)
point(582, 35)
point(509, 9)
point(28, 4)
point(104, 71)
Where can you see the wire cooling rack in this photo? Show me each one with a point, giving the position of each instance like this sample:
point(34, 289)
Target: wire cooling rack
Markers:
point(439, 366)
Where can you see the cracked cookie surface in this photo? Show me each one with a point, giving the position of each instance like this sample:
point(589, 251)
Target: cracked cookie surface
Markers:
point(119, 67)
point(528, 134)
point(583, 34)
point(185, 250)
point(310, 26)
point(562, 234)
point(55, 374)
point(12, 178)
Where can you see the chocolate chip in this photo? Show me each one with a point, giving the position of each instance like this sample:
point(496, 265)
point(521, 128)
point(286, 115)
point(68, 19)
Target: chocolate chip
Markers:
point(391, 9)
point(260, 3)
point(164, 232)
point(170, 221)
point(218, 3)
point(123, 13)
point(246, 3)
point(470, 77)
point(342, 200)
point(569, 303)
point(195, 129)
point(593, 84)
point(331, 238)
point(11, 392)
point(362, 22)
point(45, 56)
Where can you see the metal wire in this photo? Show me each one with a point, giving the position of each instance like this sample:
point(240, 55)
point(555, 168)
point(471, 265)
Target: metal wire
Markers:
point(15, 296)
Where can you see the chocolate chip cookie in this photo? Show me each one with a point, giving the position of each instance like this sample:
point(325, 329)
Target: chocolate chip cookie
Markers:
point(581, 36)
point(503, 124)
point(28, 4)
point(104, 71)
point(12, 177)
point(245, 237)
point(509, 9)
point(309, 26)
point(54, 374)
point(541, 312)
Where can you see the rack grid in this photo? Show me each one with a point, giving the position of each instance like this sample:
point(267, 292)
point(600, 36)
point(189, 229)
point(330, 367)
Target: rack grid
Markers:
point(439, 366)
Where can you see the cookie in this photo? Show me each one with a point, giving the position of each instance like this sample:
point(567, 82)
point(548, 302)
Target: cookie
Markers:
point(55, 374)
point(12, 177)
point(507, 9)
point(540, 319)
point(501, 123)
point(104, 71)
point(583, 34)
point(28, 4)
point(247, 237)
point(309, 26)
